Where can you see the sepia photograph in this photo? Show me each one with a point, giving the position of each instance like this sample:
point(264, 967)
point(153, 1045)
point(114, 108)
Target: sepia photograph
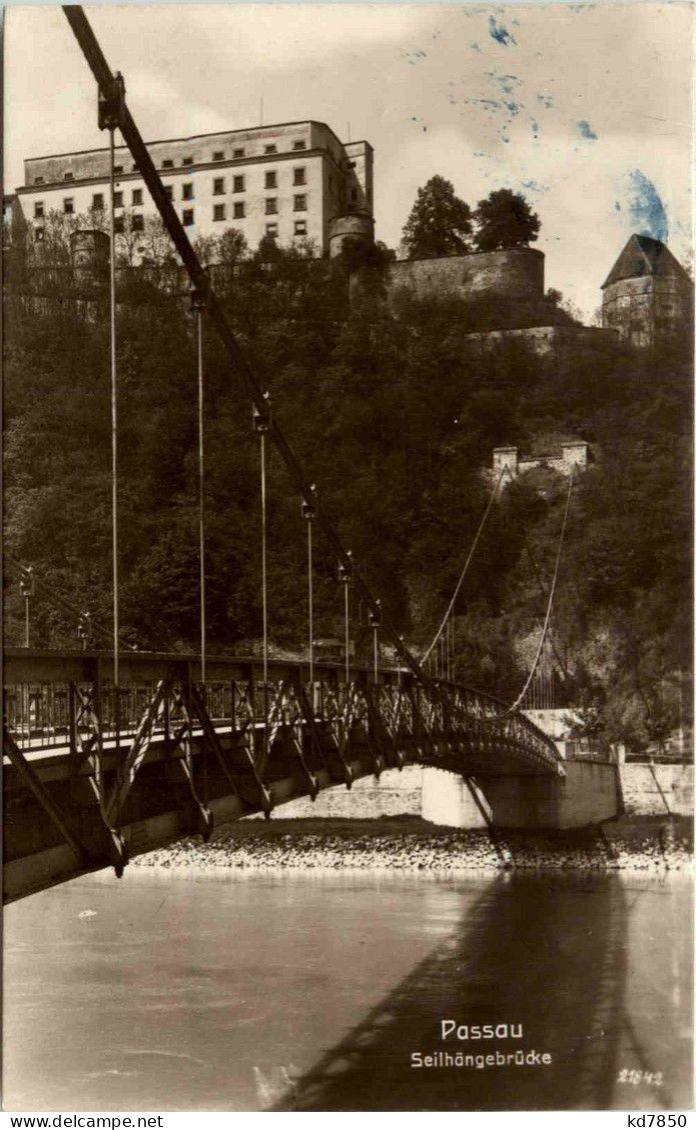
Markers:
point(347, 559)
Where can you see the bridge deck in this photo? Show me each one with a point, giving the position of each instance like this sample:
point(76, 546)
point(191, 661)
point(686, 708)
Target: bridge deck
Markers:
point(92, 778)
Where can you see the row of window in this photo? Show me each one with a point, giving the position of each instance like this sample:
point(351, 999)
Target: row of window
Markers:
point(137, 224)
point(220, 155)
point(299, 204)
point(168, 163)
point(238, 185)
point(239, 213)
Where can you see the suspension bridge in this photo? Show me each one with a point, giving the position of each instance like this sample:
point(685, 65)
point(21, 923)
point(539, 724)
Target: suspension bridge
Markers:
point(109, 753)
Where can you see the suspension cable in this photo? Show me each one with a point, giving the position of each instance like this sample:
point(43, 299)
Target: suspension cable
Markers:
point(198, 315)
point(264, 578)
point(261, 425)
point(549, 604)
point(114, 412)
point(463, 573)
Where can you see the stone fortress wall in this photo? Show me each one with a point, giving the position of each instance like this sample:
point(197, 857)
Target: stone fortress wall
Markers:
point(516, 273)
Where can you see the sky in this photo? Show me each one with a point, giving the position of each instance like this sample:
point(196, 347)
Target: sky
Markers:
point(584, 108)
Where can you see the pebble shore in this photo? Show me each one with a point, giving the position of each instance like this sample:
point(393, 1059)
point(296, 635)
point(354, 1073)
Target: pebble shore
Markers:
point(413, 845)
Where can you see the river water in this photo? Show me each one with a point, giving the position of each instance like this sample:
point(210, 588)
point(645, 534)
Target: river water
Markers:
point(182, 991)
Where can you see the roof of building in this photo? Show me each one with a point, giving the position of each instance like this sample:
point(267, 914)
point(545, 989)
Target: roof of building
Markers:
point(196, 137)
point(643, 256)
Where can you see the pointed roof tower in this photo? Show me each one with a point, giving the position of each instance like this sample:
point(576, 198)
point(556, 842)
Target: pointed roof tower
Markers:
point(644, 256)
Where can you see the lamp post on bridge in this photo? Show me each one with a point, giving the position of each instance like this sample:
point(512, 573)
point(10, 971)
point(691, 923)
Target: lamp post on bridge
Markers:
point(345, 576)
point(309, 510)
point(84, 629)
point(26, 590)
point(375, 619)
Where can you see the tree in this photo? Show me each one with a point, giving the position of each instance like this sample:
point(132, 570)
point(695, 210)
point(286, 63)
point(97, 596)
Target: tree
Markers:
point(505, 219)
point(439, 223)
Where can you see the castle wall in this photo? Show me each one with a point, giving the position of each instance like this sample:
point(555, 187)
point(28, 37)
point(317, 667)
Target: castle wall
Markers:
point(542, 340)
point(517, 273)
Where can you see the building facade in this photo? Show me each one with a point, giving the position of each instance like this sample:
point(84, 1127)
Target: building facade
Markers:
point(647, 296)
point(288, 181)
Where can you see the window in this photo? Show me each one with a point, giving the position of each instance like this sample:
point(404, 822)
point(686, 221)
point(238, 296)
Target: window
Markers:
point(137, 222)
point(187, 191)
point(118, 225)
point(38, 235)
point(300, 227)
point(239, 210)
point(137, 195)
point(38, 180)
point(98, 202)
point(38, 210)
point(352, 164)
point(300, 204)
point(272, 230)
point(219, 155)
point(299, 144)
point(169, 189)
point(271, 180)
point(187, 217)
point(270, 148)
point(299, 176)
point(271, 206)
point(68, 205)
point(68, 176)
point(118, 168)
point(353, 194)
point(237, 152)
point(118, 200)
point(167, 164)
point(219, 186)
point(238, 184)
point(187, 160)
point(218, 211)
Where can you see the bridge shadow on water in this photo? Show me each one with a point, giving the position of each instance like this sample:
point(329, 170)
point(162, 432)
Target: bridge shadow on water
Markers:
point(548, 955)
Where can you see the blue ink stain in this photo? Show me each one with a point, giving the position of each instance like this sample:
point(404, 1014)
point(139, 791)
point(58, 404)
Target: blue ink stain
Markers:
point(535, 128)
point(507, 83)
point(546, 100)
point(500, 33)
point(534, 186)
point(646, 207)
point(617, 206)
point(505, 139)
point(487, 103)
point(587, 131)
point(474, 47)
point(513, 107)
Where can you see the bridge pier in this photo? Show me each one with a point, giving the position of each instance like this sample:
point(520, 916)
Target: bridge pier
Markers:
point(589, 793)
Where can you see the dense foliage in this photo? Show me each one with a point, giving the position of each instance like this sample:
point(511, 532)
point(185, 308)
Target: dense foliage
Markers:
point(505, 219)
point(439, 222)
point(395, 419)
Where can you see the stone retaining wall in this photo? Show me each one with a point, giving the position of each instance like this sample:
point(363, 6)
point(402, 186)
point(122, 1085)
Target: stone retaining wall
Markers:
point(444, 798)
point(655, 790)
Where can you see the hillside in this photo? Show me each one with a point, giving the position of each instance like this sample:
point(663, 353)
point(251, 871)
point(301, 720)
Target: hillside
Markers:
point(395, 420)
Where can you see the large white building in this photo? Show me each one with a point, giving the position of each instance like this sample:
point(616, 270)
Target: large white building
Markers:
point(289, 181)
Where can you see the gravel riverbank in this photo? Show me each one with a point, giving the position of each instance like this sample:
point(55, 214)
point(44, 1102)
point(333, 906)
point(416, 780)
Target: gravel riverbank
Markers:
point(411, 844)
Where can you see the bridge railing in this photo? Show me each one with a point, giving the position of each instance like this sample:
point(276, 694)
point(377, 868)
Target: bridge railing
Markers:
point(47, 694)
point(54, 701)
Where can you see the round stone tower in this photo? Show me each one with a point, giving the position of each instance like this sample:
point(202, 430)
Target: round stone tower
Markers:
point(90, 253)
point(350, 228)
